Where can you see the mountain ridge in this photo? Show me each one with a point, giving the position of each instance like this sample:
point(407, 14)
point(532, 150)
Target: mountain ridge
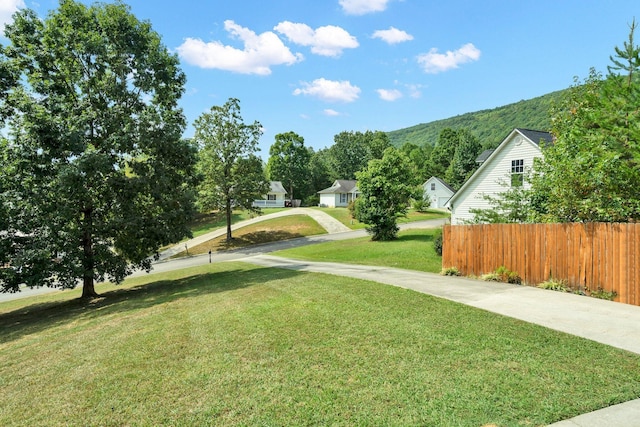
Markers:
point(490, 126)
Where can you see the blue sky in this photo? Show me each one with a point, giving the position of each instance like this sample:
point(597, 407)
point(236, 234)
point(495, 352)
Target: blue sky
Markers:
point(320, 67)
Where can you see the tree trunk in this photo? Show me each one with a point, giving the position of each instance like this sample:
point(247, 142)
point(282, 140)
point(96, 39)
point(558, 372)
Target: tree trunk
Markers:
point(88, 286)
point(228, 213)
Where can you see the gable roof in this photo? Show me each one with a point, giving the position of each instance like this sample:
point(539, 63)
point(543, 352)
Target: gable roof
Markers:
point(441, 181)
point(533, 136)
point(277, 187)
point(341, 186)
point(536, 136)
point(484, 155)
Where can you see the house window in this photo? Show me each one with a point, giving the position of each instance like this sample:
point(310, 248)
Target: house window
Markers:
point(433, 186)
point(517, 173)
point(271, 196)
point(343, 197)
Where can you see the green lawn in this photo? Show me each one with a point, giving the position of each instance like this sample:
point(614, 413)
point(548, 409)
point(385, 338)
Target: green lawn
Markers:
point(344, 216)
point(233, 344)
point(413, 250)
point(206, 222)
point(271, 230)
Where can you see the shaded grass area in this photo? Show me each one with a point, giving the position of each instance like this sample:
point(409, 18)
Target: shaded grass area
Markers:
point(344, 216)
point(271, 230)
point(233, 344)
point(413, 250)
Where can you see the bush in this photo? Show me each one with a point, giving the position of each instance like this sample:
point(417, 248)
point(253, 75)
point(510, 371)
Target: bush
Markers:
point(554, 285)
point(352, 208)
point(450, 271)
point(503, 274)
point(437, 241)
point(602, 294)
point(420, 205)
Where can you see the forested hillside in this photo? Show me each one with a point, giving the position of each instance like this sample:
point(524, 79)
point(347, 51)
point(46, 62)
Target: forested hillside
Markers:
point(489, 126)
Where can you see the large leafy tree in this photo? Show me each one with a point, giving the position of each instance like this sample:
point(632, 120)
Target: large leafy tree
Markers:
point(386, 186)
point(320, 171)
point(463, 163)
point(352, 151)
point(289, 162)
point(232, 173)
point(592, 171)
point(442, 154)
point(95, 175)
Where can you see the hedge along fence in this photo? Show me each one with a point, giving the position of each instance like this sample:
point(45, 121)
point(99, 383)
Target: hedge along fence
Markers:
point(588, 256)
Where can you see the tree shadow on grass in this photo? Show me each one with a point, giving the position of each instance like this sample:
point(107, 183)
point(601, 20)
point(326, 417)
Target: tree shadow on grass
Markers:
point(408, 236)
point(38, 318)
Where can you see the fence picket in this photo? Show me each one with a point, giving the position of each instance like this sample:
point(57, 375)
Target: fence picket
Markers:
point(585, 255)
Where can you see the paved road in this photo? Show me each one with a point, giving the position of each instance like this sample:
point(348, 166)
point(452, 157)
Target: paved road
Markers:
point(336, 232)
point(326, 221)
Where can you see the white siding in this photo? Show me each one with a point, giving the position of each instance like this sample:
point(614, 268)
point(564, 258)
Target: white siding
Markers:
point(437, 197)
point(487, 179)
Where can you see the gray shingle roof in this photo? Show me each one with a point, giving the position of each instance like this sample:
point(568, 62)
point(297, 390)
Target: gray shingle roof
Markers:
point(537, 136)
point(341, 186)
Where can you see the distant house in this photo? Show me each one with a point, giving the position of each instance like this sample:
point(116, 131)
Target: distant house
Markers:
point(504, 166)
point(339, 194)
point(274, 198)
point(437, 192)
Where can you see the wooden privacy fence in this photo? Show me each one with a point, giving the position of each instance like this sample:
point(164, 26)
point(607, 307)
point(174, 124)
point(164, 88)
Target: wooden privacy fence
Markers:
point(586, 255)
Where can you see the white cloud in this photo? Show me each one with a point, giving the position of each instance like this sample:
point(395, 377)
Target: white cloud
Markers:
point(7, 9)
point(389, 94)
point(415, 90)
point(392, 35)
point(330, 112)
point(260, 52)
point(362, 7)
point(434, 62)
point(326, 41)
point(329, 90)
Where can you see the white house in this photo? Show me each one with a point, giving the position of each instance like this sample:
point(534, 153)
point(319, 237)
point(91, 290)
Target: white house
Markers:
point(339, 194)
point(437, 192)
point(274, 198)
point(503, 167)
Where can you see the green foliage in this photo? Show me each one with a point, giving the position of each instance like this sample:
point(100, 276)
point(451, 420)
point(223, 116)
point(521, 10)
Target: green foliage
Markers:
point(419, 157)
point(489, 126)
point(289, 163)
point(503, 274)
point(516, 204)
point(602, 294)
point(232, 174)
point(463, 163)
point(592, 171)
point(386, 186)
point(352, 151)
point(438, 241)
point(420, 205)
point(95, 177)
point(450, 271)
point(555, 285)
point(320, 172)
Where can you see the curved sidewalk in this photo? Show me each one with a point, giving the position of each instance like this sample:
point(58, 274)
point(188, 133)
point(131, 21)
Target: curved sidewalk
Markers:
point(326, 221)
point(607, 322)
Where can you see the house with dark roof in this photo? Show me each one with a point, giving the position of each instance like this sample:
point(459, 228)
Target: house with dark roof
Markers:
point(341, 192)
point(437, 192)
point(502, 168)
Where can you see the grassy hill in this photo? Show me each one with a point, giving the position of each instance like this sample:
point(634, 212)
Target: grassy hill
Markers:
point(490, 126)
